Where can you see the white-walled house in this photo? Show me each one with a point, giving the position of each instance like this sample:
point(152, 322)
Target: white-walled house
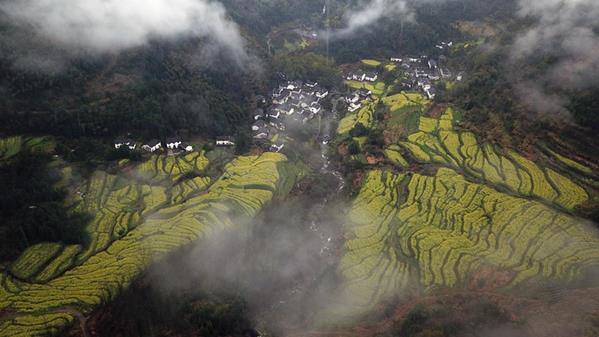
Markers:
point(371, 77)
point(127, 143)
point(277, 148)
point(173, 143)
point(322, 93)
point(225, 141)
point(152, 146)
point(186, 147)
point(354, 106)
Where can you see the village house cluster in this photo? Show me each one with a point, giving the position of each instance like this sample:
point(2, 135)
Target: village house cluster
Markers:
point(422, 72)
point(355, 98)
point(154, 145)
point(362, 76)
point(292, 101)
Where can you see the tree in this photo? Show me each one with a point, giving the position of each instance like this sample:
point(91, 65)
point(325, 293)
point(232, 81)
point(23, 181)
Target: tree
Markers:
point(359, 130)
point(353, 147)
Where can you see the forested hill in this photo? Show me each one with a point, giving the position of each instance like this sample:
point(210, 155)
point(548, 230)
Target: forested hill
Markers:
point(153, 91)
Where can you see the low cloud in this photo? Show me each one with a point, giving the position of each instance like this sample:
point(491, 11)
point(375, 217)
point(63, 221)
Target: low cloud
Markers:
point(109, 26)
point(547, 105)
point(568, 32)
point(368, 14)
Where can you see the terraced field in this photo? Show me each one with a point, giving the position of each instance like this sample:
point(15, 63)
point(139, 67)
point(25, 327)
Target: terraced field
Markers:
point(477, 208)
point(134, 225)
point(438, 230)
point(437, 142)
point(365, 116)
point(11, 146)
point(170, 169)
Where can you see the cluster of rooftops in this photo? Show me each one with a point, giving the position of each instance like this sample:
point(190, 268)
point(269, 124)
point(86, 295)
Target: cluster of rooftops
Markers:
point(362, 76)
point(171, 143)
point(354, 99)
point(297, 98)
point(423, 71)
point(290, 101)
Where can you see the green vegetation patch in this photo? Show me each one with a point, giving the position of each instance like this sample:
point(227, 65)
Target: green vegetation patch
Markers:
point(113, 260)
point(390, 67)
point(437, 231)
point(377, 88)
point(11, 146)
point(364, 116)
point(569, 162)
point(371, 63)
point(437, 142)
point(394, 155)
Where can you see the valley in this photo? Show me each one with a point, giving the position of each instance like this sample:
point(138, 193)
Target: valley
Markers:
point(372, 169)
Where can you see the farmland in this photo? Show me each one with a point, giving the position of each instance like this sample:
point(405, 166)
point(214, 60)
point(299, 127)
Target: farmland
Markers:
point(438, 230)
point(140, 216)
point(437, 142)
point(364, 116)
point(476, 207)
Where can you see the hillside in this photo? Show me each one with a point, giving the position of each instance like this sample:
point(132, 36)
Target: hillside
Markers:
point(309, 168)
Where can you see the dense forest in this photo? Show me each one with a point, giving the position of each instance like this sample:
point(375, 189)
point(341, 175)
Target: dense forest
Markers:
point(32, 206)
point(433, 23)
point(152, 92)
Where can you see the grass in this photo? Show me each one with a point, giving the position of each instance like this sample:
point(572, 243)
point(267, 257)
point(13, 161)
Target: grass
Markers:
point(377, 88)
point(371, 63)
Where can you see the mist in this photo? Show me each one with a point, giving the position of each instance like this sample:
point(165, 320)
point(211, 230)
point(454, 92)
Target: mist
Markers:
point(564, 30)
point(73, 28)
point(368, 14)
point(283, 263)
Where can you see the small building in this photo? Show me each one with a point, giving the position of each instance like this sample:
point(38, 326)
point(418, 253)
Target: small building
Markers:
point(283, 97)
point(364, 93)
point(430, 92)
point(354, 106)
point(353, 99)
point(396, 60)
point(432, 64)
point(260, 100)
point(258, 114)
point(124, 143)
point(371, 77)
point(294, 85)
point(274, 113)
point(186, 147)
point(321, 92)
point(173, 143)
point(310, 84)
point(259, 125)
point(261, 135)
point(315, 109)
point(277, 147)
point(225, 141)
point(152, 146)
point(356, 76)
